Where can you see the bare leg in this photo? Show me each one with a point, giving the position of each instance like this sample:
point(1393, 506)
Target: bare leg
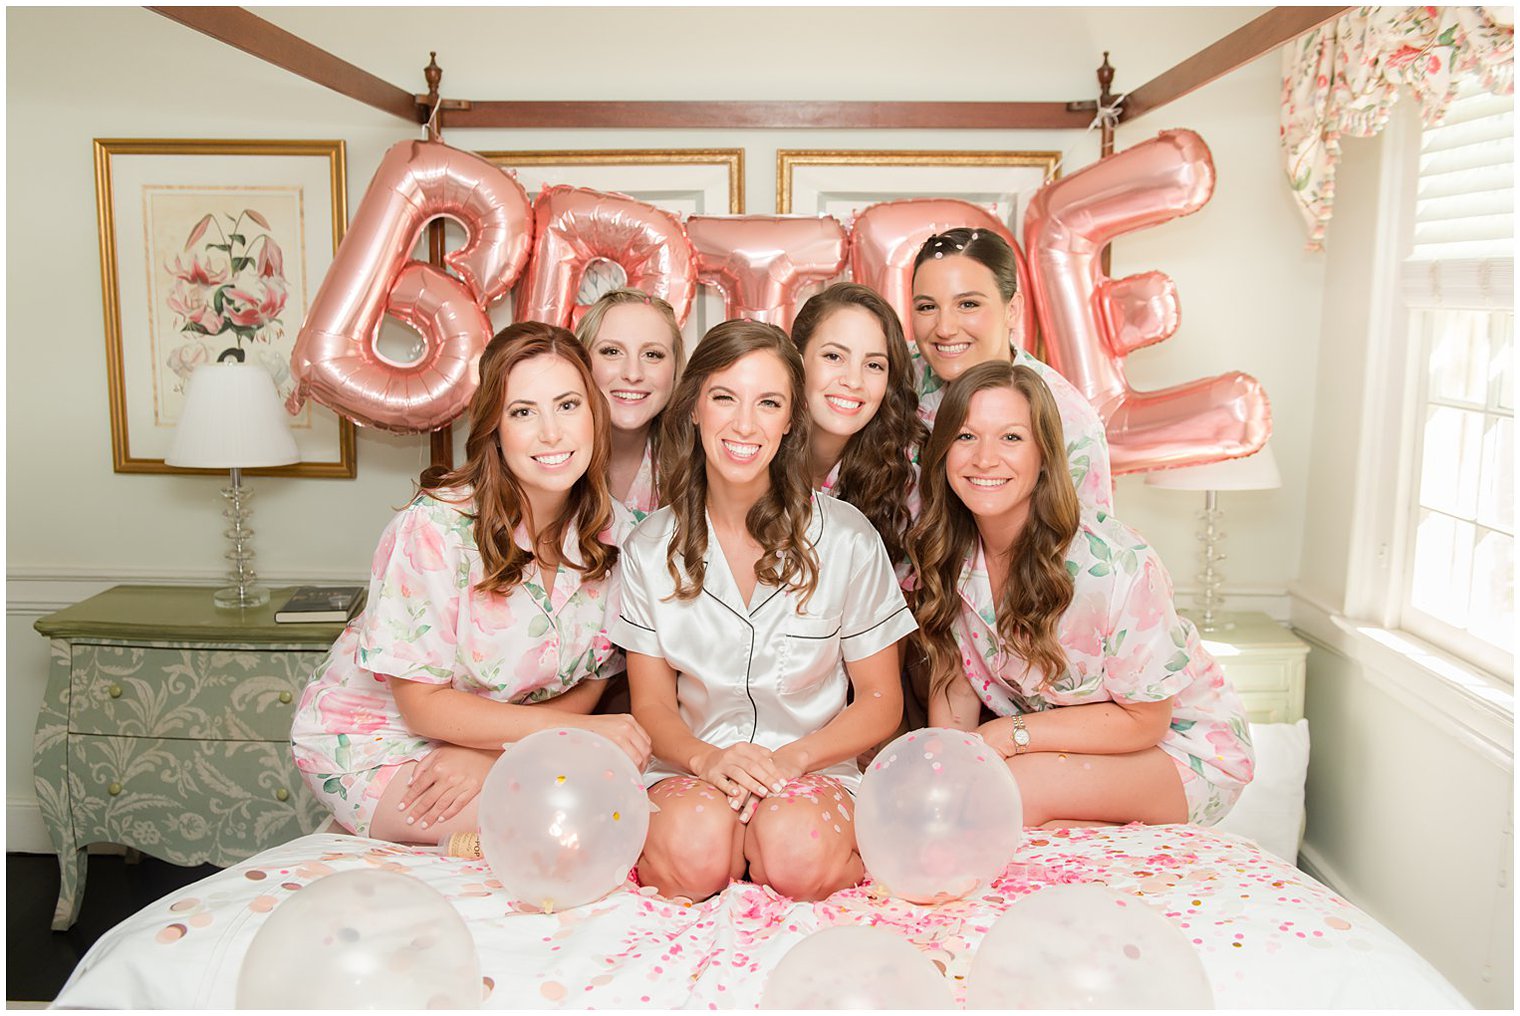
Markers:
point(390, 823)
point(801, 842)
point(695, 844)
point(1063, 788)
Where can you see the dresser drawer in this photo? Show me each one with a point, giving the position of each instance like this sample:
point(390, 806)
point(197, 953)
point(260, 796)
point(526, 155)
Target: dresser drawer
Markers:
point(194, 693)
point(1256, 674)
point(1266, 707)
point(188, 802)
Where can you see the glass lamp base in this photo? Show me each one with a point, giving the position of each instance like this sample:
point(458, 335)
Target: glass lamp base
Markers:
point(241, 597)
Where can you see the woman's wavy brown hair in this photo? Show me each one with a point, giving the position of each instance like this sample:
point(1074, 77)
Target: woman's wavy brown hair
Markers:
point(779, 519)
point(876, 470)
point(1039, 588)
point(591, 323)
point(500, 503)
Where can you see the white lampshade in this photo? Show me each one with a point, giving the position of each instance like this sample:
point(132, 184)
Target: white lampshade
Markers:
point(1254, 472)
point(232, 419)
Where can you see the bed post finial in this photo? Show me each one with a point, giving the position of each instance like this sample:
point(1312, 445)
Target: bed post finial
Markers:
point(433, 75)
point(1105, 82)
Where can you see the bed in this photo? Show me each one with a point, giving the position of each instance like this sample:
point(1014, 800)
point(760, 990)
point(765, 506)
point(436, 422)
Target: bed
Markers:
point(1269, 935)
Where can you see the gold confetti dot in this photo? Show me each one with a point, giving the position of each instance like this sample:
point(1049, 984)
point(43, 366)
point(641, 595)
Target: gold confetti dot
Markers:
point(617, 816)
point(559, 779)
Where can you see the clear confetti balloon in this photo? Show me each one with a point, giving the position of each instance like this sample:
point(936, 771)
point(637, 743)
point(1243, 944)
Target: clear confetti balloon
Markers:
point(1086, 947)
point(855, 967)
point(563, 816)
point(939, 814)
point(367, 939)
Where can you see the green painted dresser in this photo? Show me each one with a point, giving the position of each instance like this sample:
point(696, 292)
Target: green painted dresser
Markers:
point(166, 728)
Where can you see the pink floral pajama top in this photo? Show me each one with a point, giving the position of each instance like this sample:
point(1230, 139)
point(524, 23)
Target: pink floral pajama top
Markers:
point(425, 621)
point(1124, 642)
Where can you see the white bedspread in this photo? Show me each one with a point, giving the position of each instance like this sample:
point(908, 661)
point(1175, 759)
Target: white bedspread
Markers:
point(1269, 935)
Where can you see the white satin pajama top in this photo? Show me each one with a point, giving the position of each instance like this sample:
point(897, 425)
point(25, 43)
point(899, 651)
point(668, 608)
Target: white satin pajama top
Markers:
point(764, 672)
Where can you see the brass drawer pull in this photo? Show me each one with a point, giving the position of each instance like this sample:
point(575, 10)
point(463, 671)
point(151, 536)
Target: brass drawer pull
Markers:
point(282, 794)
point(114, 789)
point(284, 698)
point(114, 691)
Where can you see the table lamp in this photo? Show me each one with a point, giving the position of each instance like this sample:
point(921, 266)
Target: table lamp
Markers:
point(1254, 472)
point(232, 419)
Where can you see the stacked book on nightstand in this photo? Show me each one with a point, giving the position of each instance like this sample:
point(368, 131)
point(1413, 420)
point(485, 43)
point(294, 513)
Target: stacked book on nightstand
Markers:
point(312, 604)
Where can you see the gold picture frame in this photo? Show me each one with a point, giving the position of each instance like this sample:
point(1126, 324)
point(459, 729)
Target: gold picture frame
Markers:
point(279, 209)
point(841, 182)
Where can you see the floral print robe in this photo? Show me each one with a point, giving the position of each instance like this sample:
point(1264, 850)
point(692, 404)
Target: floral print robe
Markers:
point(1124, 642)
point(425, 621)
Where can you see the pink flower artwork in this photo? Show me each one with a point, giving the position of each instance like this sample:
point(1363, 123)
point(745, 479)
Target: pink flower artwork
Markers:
point(230, 277)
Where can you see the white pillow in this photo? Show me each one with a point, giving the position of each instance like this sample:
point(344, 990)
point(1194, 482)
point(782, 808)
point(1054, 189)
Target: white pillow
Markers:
point(1271, 808)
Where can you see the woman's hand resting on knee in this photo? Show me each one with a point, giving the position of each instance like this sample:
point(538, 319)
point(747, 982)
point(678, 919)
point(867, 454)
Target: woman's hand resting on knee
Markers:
point(745, 773)
point(444, 782)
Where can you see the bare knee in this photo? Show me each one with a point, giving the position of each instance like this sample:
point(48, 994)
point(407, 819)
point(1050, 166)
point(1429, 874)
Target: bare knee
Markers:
point(689, 853)
point(802, 854)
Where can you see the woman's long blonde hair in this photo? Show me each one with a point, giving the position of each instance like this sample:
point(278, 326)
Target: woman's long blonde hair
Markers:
point(778, 521)
point(1039, 588)
point(500, 503)
point(591, 323)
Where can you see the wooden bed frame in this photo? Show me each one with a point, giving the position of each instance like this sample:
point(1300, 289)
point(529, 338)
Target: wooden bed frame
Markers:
point(250, 33)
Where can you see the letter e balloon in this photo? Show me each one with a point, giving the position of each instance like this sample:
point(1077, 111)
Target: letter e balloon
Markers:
point(1091, 322)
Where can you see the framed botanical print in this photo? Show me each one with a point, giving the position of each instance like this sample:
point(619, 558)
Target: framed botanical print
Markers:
point(212, 250)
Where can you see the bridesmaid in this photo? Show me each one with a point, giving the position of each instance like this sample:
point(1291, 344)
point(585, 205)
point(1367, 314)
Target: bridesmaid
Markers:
point(636, 358)
point(964, 313)
point(751, 608)
point(486, 618)
point(861, 399)
point(1060, 620)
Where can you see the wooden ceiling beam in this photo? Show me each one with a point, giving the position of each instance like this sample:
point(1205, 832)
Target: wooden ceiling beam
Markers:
point(267, 41)
point(766, 115)
point(1240, 47)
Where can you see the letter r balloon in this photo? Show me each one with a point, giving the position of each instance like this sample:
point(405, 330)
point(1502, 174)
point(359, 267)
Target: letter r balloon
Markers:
point(373, 274)
point(1091, 322)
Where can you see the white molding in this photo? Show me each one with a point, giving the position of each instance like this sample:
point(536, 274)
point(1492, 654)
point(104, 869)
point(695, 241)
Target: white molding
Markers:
point(25, 832)
point(1475, 707)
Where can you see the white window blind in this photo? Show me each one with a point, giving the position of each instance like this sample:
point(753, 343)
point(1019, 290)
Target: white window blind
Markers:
point(1466, 199)
point(1458, 282)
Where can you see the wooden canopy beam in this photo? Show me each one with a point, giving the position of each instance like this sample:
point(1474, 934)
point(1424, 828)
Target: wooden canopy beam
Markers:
point(764, 115)
point(267, 41)
point(1240, 47)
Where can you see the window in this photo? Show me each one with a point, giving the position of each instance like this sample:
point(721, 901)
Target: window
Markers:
point(1459, 573)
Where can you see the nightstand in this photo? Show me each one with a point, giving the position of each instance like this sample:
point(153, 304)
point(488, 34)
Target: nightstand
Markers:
point(1265, 663)
point(166, 728)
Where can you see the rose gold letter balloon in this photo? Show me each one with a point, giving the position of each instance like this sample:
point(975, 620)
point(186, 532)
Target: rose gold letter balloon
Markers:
point(335, 360)
point(575, 226)
point(886, 237)
point(761, 262)
point(1091, 322)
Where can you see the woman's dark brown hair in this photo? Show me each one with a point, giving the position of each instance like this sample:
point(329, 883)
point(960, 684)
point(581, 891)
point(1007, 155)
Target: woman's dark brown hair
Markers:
point(984, 247)
point(779, 519)
point(500, 503)
point(1038, 588)
point(876, 470)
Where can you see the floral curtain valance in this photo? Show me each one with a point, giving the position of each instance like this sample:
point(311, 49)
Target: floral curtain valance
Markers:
point(1344, 78)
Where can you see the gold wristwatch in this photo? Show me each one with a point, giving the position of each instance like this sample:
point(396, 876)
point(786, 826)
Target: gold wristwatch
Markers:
point(1020, 734)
